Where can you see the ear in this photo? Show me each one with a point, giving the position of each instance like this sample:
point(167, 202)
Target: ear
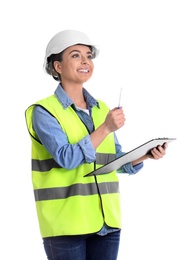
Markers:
point(57, 66)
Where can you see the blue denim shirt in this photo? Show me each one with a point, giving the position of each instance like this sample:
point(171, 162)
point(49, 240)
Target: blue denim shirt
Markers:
point(69, 155)
point(54, 139)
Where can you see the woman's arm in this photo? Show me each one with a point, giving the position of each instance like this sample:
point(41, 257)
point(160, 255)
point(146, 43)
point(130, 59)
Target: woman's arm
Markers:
point(156, 153)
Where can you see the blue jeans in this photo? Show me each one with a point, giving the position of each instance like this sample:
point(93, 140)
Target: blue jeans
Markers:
point(83, 247)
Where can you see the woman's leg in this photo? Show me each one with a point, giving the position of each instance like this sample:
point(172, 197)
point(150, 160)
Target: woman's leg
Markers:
point(103, 247)
point(65, 247)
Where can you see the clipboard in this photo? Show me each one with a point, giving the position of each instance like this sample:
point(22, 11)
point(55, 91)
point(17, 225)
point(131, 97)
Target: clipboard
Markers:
point(130, 156)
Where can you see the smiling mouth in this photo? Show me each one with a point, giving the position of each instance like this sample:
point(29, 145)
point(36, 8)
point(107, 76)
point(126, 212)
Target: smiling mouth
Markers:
point(84, 70)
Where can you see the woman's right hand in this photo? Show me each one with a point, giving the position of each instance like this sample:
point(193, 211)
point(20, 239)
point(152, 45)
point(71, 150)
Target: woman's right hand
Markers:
point(115, 119)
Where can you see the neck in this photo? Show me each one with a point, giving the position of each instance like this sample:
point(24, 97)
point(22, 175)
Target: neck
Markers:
point(76, 94)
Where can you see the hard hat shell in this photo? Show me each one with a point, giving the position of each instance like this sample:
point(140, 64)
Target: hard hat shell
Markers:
point(65, 39)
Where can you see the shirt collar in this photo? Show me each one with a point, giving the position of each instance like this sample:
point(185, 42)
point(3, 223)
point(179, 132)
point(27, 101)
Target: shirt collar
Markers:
point(66, 101)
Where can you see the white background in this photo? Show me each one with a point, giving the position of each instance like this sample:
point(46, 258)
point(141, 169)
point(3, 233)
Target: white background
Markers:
point(148, 48)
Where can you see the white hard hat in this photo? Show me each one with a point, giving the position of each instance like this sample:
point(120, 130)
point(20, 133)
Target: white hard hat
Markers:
point(65, 39)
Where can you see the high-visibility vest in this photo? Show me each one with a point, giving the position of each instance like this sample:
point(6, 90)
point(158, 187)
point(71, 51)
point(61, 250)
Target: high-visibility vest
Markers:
point(68, 203)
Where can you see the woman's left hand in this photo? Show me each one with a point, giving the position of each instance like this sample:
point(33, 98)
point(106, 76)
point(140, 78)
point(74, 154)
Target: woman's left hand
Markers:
point(158, 152)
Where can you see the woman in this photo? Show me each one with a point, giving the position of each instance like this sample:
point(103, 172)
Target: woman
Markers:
point(72, 134)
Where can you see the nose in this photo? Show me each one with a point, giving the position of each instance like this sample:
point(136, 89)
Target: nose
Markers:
point(84, 60)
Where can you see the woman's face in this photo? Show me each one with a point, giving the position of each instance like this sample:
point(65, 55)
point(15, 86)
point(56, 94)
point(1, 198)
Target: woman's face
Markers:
point(77, 65)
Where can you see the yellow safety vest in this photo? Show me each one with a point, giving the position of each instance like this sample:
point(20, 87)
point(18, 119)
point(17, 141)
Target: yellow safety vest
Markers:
point(68, 203)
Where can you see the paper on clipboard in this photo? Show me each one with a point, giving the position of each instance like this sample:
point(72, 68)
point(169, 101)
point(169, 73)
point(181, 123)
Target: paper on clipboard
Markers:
point(130, 156)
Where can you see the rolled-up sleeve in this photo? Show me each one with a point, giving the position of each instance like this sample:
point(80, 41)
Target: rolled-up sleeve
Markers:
point(130, 169)
point(87, 149)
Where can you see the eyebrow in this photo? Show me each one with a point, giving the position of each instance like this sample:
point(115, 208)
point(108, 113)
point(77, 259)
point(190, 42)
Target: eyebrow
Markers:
point(89, 52)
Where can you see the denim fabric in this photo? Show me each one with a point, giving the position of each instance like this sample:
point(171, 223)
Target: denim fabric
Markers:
point(83, 247)
point(56, 142)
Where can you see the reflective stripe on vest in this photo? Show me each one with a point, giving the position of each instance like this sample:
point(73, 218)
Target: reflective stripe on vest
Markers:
point(47, 165)
point(74, 190)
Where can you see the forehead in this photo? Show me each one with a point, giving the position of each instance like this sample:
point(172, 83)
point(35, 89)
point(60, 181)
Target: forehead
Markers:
point(78, 47)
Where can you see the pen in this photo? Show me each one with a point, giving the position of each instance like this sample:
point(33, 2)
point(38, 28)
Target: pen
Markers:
point(119, 98)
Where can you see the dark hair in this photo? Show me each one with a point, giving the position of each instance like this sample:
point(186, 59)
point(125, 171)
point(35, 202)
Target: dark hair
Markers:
point(50, 65)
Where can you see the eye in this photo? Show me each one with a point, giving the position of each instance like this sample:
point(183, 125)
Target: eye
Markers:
point(75, 55)
point(90, 56)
